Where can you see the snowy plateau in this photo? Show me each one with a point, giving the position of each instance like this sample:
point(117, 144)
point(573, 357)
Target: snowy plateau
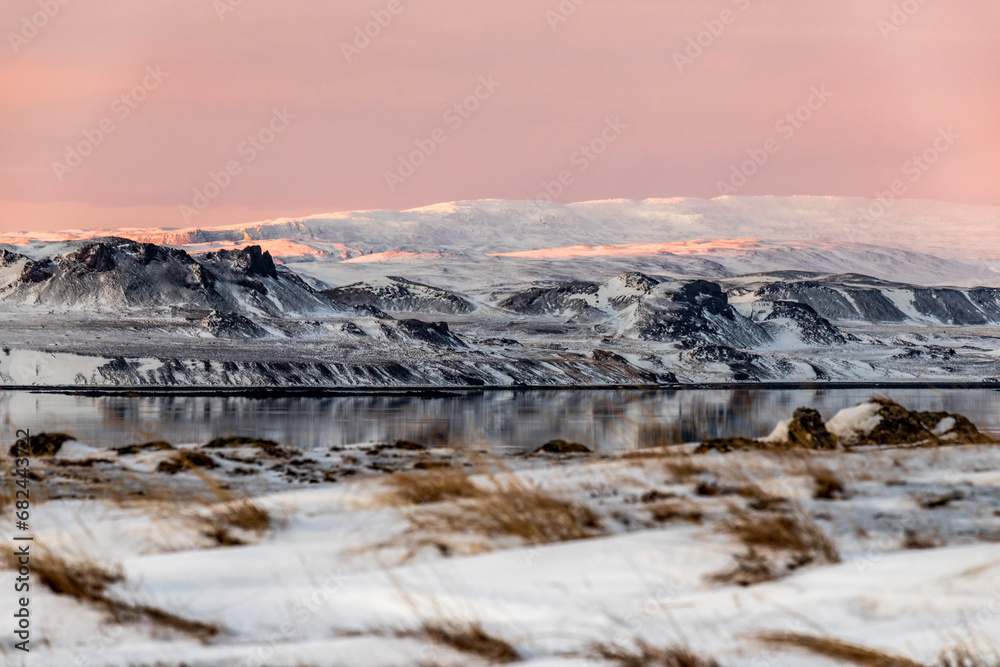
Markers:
point(513, 293)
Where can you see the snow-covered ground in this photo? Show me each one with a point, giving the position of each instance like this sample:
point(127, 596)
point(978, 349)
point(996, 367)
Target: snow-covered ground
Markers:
point(353, 571)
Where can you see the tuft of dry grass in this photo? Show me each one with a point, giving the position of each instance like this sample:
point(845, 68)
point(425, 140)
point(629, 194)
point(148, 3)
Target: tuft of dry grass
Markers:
point(679, 509)
point(87, 581)
point(778, 543)
point(646, 655)
point(83, 580)
point(964, 656)
point(471, 639)
point(431, 486)
point(917, 539)
point(512, 508)
point(835, 649)
point(826, 484)
point(793, 531)
point(243, 515)
point(185, 460)
point(681, 468)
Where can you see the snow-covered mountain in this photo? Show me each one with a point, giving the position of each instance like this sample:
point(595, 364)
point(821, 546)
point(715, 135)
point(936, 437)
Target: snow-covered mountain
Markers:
point(115, 275)
point(482, 243)
point(516, 293)
point(859, 298)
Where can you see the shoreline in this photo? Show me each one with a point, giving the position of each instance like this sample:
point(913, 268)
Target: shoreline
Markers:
point(458, 390)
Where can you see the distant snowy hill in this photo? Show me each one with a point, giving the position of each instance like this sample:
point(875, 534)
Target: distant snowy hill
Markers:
point(925, 242)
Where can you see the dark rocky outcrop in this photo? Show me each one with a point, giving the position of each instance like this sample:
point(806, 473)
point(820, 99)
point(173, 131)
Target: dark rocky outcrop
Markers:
point(803, 322)
point(899, 426)
point(42, 444)
point(853, 297)
point(435, 333)
point(563, 447)
point(91, 257)
point(232, 326)
point(37, 272)
point(395, 294)
point(557, 300)
point(693, 314)
point(808, 431)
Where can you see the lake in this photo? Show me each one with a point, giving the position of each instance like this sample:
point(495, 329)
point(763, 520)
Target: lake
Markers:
point(504, 420)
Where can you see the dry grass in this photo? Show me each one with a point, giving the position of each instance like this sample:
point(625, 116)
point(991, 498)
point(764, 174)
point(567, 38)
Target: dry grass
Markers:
point(87, 581)
point(511, 508)
point(681, 468)
point(432, 486)
point(836, 649)
point(827, 485)
point(646, 655)
point(778, 543)
point(242, 515)
point(921, 539)
point(793, 531)
point(471, 639)
point(678, 509)
point(83, 580)
point(965, 656)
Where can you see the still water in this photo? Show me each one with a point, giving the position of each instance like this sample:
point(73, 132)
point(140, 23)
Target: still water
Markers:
point(508, 421)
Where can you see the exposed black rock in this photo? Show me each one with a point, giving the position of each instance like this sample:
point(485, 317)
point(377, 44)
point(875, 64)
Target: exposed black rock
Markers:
point(694, 314)
point(9, 257)
point(37, 272)
point(43, 444)
point(180, 461)
point(92, 257)
point(565, 298)
point(807, 430)
point(400, 295)
point(232, 325)
point(803, 322)
point(563, 447)
point(251, 261)
point(948, 306)
point(899, 425)
point(155, 446)
point(863, 298)
point(435, 333)
point(832, 302)
point(353, 329)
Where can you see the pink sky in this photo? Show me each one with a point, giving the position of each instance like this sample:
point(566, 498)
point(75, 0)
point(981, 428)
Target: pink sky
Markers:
point(683, 130)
